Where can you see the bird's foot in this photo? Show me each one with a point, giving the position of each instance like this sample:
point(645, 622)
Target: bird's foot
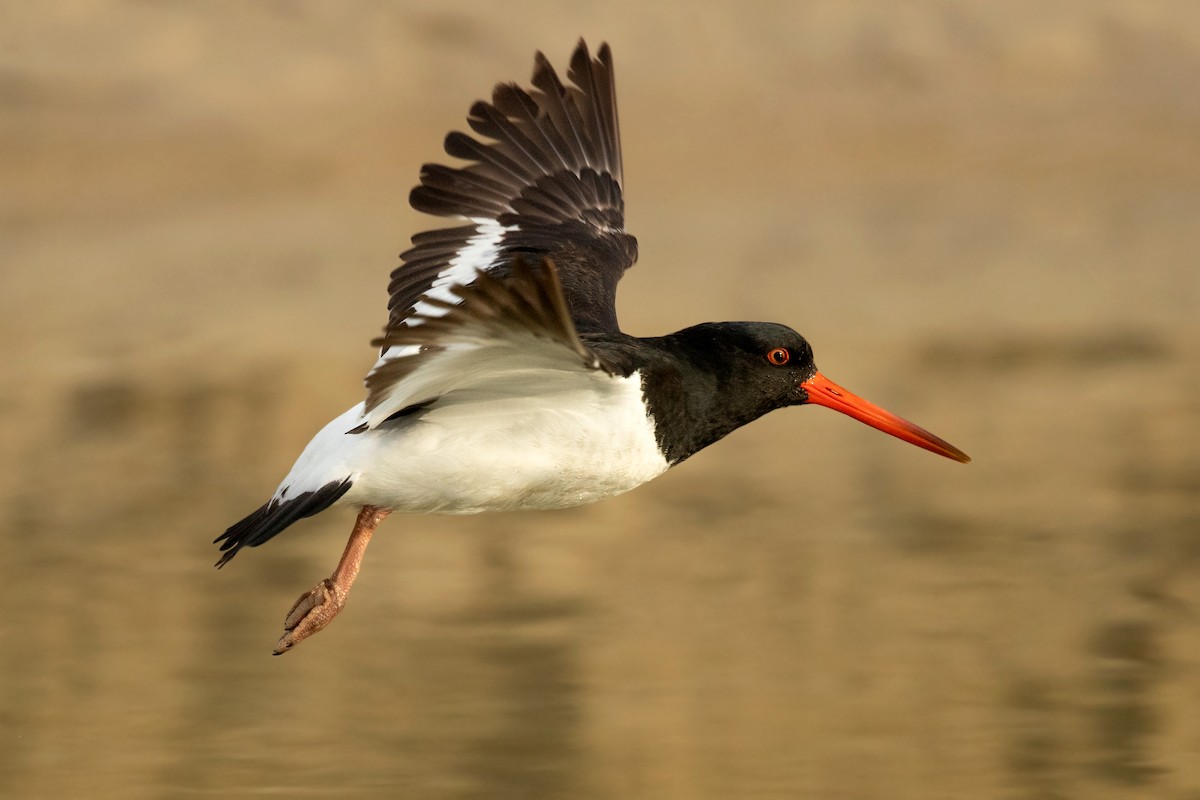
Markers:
point(315, 609)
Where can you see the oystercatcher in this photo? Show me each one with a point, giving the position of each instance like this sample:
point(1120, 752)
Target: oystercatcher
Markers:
point(503, 381)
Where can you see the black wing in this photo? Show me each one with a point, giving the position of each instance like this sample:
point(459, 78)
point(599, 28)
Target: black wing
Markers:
point(543, 183)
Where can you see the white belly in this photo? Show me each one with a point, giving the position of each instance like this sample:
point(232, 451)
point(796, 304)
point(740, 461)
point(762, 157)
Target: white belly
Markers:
point(505, 453)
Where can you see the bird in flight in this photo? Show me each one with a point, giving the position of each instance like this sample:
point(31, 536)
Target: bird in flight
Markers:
point(503, 380)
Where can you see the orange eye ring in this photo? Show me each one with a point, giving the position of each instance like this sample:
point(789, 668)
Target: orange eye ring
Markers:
point(779, 356)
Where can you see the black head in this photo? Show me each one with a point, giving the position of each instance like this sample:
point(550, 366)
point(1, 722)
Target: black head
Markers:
point(711, 379)
point(757, 366)
point(722, 375)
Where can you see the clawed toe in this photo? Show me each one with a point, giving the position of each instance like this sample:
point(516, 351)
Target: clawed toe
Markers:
point(315, 597)
point(315, 609)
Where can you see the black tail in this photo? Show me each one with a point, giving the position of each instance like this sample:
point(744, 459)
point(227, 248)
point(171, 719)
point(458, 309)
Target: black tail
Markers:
point(273, 517)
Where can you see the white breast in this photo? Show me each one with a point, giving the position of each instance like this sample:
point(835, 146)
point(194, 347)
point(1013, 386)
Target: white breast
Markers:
point(563, 442)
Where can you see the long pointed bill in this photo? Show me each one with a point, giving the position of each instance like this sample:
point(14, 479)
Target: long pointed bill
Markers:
point(825, 392)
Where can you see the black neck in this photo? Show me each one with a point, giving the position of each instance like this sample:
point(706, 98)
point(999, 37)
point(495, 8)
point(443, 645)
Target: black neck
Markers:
point(693, 387)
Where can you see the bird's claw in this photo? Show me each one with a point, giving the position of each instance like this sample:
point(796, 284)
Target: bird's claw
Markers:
point(315, 609)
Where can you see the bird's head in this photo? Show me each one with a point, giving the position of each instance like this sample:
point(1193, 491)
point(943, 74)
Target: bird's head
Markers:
point(776, 364)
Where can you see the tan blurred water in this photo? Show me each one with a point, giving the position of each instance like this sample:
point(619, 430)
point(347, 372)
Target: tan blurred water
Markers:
point(984, 217)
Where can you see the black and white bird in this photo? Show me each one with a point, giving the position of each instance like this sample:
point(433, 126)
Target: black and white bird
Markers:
point(504, 381)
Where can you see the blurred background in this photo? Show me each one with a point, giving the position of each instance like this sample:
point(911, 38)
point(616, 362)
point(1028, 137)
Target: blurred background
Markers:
point(984, 216)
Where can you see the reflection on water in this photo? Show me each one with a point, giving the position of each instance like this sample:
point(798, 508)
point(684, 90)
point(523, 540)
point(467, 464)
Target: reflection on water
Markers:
point(1124, 718)
point(809, 609)
point(722, 634)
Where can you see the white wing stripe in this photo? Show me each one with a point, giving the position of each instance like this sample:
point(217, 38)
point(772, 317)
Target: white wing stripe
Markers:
point(478, 255)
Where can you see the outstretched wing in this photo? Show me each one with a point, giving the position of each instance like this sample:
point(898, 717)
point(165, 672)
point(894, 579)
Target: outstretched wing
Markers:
point(494, 338)
point(544, 181)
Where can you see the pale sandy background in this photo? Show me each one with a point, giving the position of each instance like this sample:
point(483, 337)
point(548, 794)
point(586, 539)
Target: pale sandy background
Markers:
point(985, 216)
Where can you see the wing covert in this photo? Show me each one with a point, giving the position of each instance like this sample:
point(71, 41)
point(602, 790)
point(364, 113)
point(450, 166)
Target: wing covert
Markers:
point(492, 333)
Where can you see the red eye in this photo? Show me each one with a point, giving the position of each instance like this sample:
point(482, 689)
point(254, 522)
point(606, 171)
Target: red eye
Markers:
point(779, 356)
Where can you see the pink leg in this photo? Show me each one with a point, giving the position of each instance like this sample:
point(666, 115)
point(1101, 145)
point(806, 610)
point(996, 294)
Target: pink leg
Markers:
point(317, 607)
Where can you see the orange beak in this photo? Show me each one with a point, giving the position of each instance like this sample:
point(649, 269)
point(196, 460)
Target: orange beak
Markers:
point(825, 392)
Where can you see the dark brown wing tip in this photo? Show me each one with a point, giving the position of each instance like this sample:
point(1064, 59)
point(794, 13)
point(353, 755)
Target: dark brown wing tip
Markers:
point(583, 56)
point(580, 63)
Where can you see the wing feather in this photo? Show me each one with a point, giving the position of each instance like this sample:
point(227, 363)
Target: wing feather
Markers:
point(542, 181)
point(521, 321)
